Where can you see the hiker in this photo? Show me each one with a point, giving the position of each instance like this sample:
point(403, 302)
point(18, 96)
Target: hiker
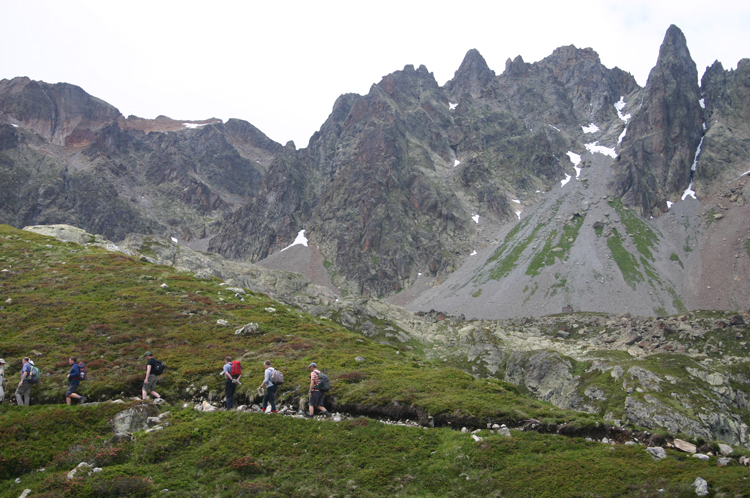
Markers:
point(230, 382)
point(270, 396)
point(2, 380)
point(149, 383)
point(74, 380)
point(23, 391)
point(316, 396)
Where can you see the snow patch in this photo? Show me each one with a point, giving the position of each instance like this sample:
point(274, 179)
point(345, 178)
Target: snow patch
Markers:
point(518, 213)
point(301, 239)
point(702, 102)
point(452, 105)
point(567, 179)
point(622, 135)
point(456, 163)
point(670, 204)
point(592, 128)
point(620, 105)
point(174, 240)
point(516, 201)
point(689, 192)
point(576, 160)
point(554, 127)
point(474, 253)
point(607, 151)
point(14, 125)
point(694, 167)
point(475, 217)
point(193, 125)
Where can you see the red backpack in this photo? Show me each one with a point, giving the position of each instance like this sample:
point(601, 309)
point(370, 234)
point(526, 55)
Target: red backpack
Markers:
point(236, 369)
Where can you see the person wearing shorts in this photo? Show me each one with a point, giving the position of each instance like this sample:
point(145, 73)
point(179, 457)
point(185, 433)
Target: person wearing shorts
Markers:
point(316, 396)
point(74, 380)
point(149, 383)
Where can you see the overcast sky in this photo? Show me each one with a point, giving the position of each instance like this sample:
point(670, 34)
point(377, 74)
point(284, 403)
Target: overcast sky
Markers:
point(281, 65)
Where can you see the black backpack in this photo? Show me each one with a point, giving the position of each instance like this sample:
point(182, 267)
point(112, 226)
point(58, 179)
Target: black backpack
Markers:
point(159, 367)
point(82, 371)
point(324, 383)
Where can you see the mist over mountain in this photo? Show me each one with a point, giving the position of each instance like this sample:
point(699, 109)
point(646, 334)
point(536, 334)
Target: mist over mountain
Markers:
point(551, 185)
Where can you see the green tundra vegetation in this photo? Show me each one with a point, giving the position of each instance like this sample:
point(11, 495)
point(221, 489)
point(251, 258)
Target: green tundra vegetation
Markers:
point(60, 299)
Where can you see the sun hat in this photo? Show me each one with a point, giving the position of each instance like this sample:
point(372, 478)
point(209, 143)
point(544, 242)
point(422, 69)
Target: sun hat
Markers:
point(313, 365)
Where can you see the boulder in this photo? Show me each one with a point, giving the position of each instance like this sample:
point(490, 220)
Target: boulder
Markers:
point(684, 446)
point(657, 453)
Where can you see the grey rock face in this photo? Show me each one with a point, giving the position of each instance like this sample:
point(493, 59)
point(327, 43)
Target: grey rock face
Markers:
point(546, 375)
point(658, 151)
point(725, 152)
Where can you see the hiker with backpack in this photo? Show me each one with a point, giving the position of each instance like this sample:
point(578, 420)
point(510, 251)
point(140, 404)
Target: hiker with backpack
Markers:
point(154, 368)
point(23, 391)
point(2, 380)
point(74, 380)
point(271, 379)
point(319, 385)
point(232, 372)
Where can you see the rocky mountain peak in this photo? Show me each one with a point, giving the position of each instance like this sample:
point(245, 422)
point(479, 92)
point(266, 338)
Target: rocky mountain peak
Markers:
point(674, 51)
point(516, 68)
point(661, 142)
point(473, 77)
point(62, 113)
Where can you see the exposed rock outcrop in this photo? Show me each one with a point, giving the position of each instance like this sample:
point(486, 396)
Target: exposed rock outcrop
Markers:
point(658, 151)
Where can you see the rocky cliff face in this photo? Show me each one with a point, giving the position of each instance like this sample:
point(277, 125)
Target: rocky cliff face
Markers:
point(725, 153)
point(658, 151)
point(67, 157)
point(62, 113)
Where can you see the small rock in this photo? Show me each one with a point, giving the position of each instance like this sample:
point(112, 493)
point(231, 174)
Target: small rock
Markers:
point(701, 487)
point(701, 456)
point(25, 493)
point(657, 453)
point(97, 469)
point(222, 322)
point(464, 430)
point(723, 461)
point(247, 329)
point(18, 480)
point(164, 286)
point(503, 431)
point(725, 449)
point(477, 438)
point(359, 358)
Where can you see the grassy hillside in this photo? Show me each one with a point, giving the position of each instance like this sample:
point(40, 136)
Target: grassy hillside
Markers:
point(60, 299)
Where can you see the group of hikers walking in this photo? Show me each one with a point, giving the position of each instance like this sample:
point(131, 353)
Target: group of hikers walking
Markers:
point(272, 379)
point(232, 372)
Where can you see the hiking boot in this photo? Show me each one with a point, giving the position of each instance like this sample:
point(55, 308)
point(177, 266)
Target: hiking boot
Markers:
point(326, 414)
point(81, 400)
point(274, 411)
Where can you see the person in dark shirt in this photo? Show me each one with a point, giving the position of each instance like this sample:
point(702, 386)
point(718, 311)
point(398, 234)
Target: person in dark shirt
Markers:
point(74, 380)
point(149, 384)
